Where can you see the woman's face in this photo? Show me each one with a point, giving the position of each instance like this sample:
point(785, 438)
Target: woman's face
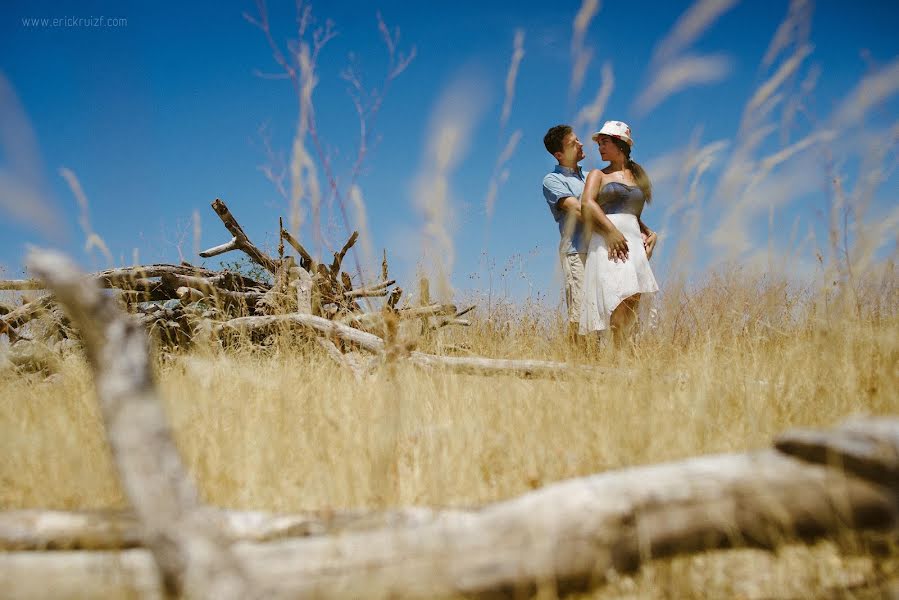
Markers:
point(608, 150)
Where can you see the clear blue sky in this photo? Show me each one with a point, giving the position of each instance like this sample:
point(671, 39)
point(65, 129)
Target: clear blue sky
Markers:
point(160, 115)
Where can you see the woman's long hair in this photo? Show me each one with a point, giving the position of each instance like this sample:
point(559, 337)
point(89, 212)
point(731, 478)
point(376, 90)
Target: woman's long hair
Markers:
point(640, 175)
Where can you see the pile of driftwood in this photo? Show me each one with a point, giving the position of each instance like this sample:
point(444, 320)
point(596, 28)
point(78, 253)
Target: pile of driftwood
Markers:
point(811, 484)
point(176, 303)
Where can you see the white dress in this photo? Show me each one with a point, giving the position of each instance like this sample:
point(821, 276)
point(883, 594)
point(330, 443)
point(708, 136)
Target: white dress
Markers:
point(608, 283)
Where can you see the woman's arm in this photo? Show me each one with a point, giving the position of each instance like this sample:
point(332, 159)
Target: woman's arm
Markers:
point(595, 219)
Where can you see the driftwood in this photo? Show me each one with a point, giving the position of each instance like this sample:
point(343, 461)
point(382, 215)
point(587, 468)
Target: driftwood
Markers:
point(208, 288)
point(308, 288)
point(188, 550)
point(373, 343)
point(31, 529)
point(120, 277)
point(240, 241)
point(338, 256)
point(20, 284)
point(306, 260)
point(570, 533)
point(377, 289)
point(22, 314)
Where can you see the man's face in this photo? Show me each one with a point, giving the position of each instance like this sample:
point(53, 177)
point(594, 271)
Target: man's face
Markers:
point(572, 150)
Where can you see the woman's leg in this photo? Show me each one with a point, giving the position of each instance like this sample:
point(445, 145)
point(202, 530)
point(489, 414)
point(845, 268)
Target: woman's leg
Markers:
point(623, 319)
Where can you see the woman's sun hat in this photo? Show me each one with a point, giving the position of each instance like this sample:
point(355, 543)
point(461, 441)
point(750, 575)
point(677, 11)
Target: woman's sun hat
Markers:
point(615, 129)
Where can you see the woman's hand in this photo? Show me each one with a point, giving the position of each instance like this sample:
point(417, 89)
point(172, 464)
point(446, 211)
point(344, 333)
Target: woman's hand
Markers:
point(649, 243)
point(617, 245)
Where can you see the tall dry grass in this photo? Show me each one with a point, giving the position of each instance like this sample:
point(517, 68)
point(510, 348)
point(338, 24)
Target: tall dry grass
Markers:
point(719, 367)
point(722, 366)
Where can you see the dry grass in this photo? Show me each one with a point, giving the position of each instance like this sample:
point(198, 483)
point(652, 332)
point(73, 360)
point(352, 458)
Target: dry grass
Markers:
point(722, 367)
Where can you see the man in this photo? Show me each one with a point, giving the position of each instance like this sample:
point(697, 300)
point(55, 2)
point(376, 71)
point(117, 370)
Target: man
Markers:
point(562, 189)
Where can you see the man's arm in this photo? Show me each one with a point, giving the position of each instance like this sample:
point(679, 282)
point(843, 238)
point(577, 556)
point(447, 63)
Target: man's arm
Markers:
point(649, 237)
point(571, 206)
point(558, 195)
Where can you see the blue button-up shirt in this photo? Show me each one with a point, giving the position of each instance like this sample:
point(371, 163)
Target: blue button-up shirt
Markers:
point(560, 183)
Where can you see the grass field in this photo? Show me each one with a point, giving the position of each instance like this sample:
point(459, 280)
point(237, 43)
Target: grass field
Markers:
point(285, 429)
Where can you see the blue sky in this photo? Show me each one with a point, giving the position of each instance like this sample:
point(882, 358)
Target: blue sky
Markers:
point(160, 115)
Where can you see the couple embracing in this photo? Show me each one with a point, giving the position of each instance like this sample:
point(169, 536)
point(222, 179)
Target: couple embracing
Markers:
point(605, 246)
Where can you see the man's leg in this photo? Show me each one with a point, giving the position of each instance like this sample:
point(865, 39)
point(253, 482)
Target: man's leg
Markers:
point(573, 271)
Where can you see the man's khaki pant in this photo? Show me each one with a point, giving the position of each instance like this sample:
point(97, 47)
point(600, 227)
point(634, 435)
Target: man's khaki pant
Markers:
point(573, 271)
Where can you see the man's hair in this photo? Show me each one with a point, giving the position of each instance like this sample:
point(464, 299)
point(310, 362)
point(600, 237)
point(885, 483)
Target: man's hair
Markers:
point(554, 137)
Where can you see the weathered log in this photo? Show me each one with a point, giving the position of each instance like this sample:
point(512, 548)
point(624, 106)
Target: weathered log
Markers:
point(222, 282)
point(570, 533)
point(157, 294)
point(240, 241)
point(138, 284)
point(377, 289)
point(394, 298)
point(428, 310)
point(20, 284)
point(338, 256)
point(11, 333)
point(862, 446)
point(32, 529)
point(342, 359)
point(22, 314)
point(206, 288)
point(121, 277)
point(451, 321)
point(301, 280)
point(188, 550)
point(455, 319)
point(466, 365)
point(306, 260)
point(375, 319)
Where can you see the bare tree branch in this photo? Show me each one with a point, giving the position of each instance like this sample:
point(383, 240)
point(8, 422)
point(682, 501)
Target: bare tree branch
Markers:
point(240, 241)
point(186, 548)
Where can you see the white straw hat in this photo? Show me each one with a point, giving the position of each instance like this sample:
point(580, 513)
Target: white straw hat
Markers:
point(615, 129)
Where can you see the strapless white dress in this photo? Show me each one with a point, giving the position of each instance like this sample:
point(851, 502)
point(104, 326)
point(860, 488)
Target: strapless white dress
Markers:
point(608, 283)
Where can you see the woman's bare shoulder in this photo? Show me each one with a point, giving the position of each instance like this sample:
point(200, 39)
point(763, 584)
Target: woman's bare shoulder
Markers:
point(595, 174)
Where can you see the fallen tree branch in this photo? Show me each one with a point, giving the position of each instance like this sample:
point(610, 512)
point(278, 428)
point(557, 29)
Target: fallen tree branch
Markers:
point(22, 314)
point(452, 321)
point(187, 549)
point(571, 533)
point(20, 285)
point(372, 343)
point(338, 256)
point(344, 360)
point(864, 446)
point(306, 260)
point(378, 289)
point(33, 529)
point(207, 288)
point(122, 276)
point(240, 241)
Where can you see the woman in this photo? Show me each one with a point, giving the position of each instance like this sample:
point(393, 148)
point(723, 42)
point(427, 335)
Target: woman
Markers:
point(615, 274)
